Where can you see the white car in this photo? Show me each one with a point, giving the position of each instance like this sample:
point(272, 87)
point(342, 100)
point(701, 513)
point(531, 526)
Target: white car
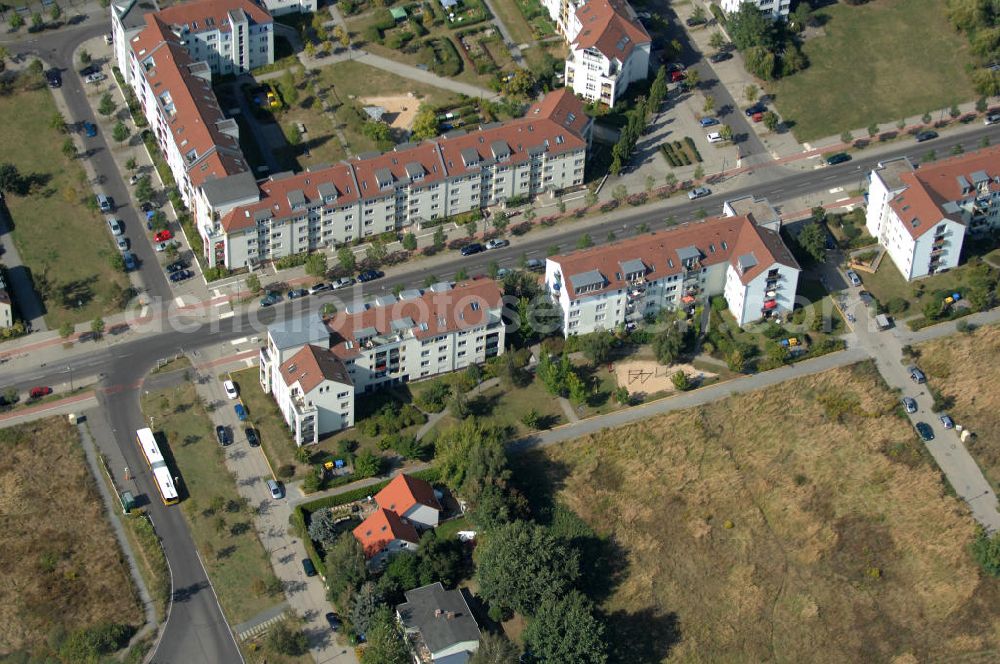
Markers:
point(343, 282)
point(230, 389)
point(116, 226)
point(122, 243)
point(496, 244)
point(162, 246)
point(714, 137)
point(699, 192)
point(95, 78)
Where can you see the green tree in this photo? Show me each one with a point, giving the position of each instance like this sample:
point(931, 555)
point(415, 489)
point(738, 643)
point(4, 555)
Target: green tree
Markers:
point(717, 40)
point(120, 132)
point(681, 381)
point(367, 464)
point(66, 329)
point(117, 262)
point(107, 105)
point(345, 256)
point(144, 189)
point(495, 649)
point(69, 148)
point(576, 388)
point(709, 105)
point(384, 642)
point(410, 242)
point(16, 22)
point(760, 62)
point(585, 241)
point(287, 640)
point(347, 558)
point(981, 105)
point(954, 111)
point(131, 164)
point(565, 629)
point(590, 198)
point(37, 22)
point(97, 326)
point(986, 551)
point(699, 172)
point(425, 124)
point(771, 120)
point(749, 27)
point(364, 606)
point(619, 193)
point(691, 79)
point(439, 238)
point(667, 345)
point(316, 265)
point(873, 129)
point(597, 346)
point(901, 124)
point(847, 137)
point(812, 239)
point(521, 564)
point(751, 92)
point(926, 118)
point(377, 131)
point(58, 122)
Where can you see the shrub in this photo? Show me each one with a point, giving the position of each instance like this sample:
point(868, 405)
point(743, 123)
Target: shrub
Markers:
point(286, 471)
point(608, 206)
point(521, 229)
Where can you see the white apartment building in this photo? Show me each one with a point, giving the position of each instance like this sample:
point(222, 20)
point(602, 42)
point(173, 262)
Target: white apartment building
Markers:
point(281, 7)
point(921, 215)
point(609, 47)
point(621, 283)
point(231, 36)
point(774, 8)
point(374, 193)
point(314, 368)
point(6, 304)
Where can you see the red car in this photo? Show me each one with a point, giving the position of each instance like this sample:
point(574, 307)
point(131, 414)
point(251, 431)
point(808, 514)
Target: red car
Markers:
point(163, 236)
point(676, 76)
point(37, 392)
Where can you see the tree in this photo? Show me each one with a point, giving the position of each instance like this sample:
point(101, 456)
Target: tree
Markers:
point(590, 198)
point(519, 84)
point(345, 256)
point(901, 124)
point(66, 329)
point(348, 559)
point(107, 105)
point(495, 649)
point(812, 239)
point(367, 464)
point(37, 22)
point(385, 644)
point(97, 326)
point(425, 124)
point(801, 16)
point(131, 164)
point(760, 62)
point(709, 104)
point(316, 265)
point(771, 120)
point(681, 381)
point(58, 122)
point(691, 79)
point(117, 262)
point(322, 528)
point(926, 118)
point(144, 189)
point(667, 345)
point(289, 87)
point(410, 242)
point(364, 606)
point(954, 111)
point(16, 22)
point(576, 388)
point(847, 137)
point(597, 346)
point(69, 148)
point(749, 27)
point(55, 13)
point(717, 41)
point(986, 551)
point(650, 183)
point(566, 630)
point(10, 179)
point(521, 564)
point(377, 131)
point(619, 193)
point(585, 241)
point(873, 129)
point(439, 238)
point(750, 93)
point(285, 639)
point(699, 172)
point(981, 105)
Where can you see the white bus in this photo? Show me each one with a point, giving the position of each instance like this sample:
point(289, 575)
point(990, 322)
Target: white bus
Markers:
point(161, 473)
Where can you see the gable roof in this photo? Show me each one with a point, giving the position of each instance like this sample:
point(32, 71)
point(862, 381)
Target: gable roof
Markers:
point(442, 617)
point(764, 246)
point(203, 15)
point(383, 527)
point(611, 27)
point(297, 331)
point(404, 491)
point(311, 366)
point(564, 108)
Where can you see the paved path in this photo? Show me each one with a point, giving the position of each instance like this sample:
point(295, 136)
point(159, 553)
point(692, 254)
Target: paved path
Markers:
point(27, 301)
point(568, 410)
point(512, 46)
point(261, 621)
point(73, 404)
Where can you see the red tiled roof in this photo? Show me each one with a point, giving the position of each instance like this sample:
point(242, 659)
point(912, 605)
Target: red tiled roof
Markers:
point(423, 159)
point(311, 366)
point(927, 189)
point(464, 306)
point(381, 528)
point(717, 240)
point(562, 107)
point(195, 14)
point(611, 27)
point(403, 492)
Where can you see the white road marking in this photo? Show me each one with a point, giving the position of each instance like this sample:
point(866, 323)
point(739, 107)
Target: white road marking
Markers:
point(216, 292)
point(241, 340)
point(179, 301)
point(845, 198)
point(228, 314)
point(249, 361)
point(836, 190)
point(806, 147)
point(145, 310)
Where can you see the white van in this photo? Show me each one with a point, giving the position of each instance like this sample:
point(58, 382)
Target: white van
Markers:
point(714, 137)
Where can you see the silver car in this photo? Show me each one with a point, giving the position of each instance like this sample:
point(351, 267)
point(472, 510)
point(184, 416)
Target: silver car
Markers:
point(122, 242)
point(699, 192)
point(853, 277)
point(116, 226)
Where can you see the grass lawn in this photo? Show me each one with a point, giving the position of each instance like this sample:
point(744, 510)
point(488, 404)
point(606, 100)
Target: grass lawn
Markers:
point(963, 368)
point(801, 523)
point(878, 62)
point(61, 568)
point(221, 525)
point(510, 15)
point(887, 282)
point(64, 243)
point(507, 407)
point(448, 529)
point(275, 438)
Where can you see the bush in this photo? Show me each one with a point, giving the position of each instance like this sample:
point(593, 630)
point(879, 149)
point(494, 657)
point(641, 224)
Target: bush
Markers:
point(521, 229)
point(283, 639)
point(986, 551)
point(88, 644)
point(286, 471)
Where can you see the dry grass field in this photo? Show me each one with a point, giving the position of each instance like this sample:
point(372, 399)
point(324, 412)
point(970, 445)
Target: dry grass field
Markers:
point(798, 524)
point(964, 367)
point(60, 567)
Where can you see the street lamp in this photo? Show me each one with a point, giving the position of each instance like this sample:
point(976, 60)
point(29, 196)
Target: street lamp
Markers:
point(69, 369)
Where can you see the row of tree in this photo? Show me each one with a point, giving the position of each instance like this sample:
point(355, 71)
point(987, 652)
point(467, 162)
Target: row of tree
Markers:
point(638, 118)
point(980, 21)
point(770, 48)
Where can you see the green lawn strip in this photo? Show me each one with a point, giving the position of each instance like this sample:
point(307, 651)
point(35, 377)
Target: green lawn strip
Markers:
point(510, 15)
point(448, 529)
point(275, 438)
point(887, 283)
point(226, 540)
point(60, 239)
point(145, 544)
point(872, 48)
point(507, 407)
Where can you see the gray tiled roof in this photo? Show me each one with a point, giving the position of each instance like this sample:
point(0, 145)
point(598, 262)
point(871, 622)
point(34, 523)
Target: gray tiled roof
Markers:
point(632, 266)
point(298, 332)
point(585, 279)
point(688, 253)
point(441, 616)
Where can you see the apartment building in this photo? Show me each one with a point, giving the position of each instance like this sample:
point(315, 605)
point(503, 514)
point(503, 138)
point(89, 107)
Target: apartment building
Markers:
point(774, 8)
point(231, 36)
point(314, 368)
point(621, 283)
point(281, 7)
point(609, 47)
point(383, 534)
point(920, 215)
point(6, 304)
point(378, 192)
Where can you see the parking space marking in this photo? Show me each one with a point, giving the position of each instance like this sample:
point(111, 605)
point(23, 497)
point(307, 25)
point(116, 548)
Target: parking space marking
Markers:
point(836, 190)
point(241, 340)
point(179, 301)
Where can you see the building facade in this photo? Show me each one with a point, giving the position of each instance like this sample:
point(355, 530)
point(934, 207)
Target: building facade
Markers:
point(6, 304)
point(621, 283)
point(383, 534)
point(921, 215)
point(609, 47)
point(774, 8)
point(281, 7)
point(314, 394)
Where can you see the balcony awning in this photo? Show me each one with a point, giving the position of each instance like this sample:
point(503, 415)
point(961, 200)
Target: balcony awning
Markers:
point(770, 304)
point(687, 299)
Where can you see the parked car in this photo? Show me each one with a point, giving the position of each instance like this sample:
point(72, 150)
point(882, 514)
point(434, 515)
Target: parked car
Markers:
point(535, 264)
point(39, 392)
point(470, 249)
point(503, 272)
point(497, 244)
point(90, 129)
point(105, 203)
point(677, 76)
point(122, 243)
point(910, 404)
point(241, 412)
point(54, 78)
point(917, 376)
point(695, 21)
point(756, 108)
point(223, 435)
point(163, 246)
point(116, 227)
point(721, 56)
point(837, 158)
point(853, 277)
point(370, 275)
point(270, 298)
point(343, 282)
point(926, 136)
point(992, 118)
point(252, 437)
point(867, 298)
point(162, 236)
point(708, 122)
point(176, 266)
point(925, 431)
point(296, 293)
point(333, 621)
point(714, 137)
point(95, 78)
point(276, 489)
point(181, 275)
point(699, 192)
point(319, 288)
point(230, 388)
point(130, 262)
point(947, 421)
point(308, 567)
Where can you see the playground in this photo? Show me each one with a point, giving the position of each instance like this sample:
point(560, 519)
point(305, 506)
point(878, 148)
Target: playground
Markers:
point(644, 377)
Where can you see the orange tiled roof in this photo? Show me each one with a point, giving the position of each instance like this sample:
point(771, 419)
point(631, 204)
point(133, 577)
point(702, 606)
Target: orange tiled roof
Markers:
point(381, 528)
point(611, 27)
point(403, 492)
point(202, 15)
point(311, 366)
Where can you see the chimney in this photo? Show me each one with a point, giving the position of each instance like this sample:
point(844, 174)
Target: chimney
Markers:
point(450, 614)
point(437, 613)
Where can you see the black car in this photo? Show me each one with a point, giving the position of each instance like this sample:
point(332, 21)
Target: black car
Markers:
point(926, 136)
point(222, 433)
point(755, 109)
point(89, 69)
point(694, 21)
point(721, 56)
point(370, 275)
point(308, 567)
point(925, 431)
point(252, 437)
point(176, 266)
point(333, 621)
point(838, 158)
point(866, 297)
point(296, 293)
point(147, 206)
point(181, 275)
point(54, 77)
point(473, 248)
